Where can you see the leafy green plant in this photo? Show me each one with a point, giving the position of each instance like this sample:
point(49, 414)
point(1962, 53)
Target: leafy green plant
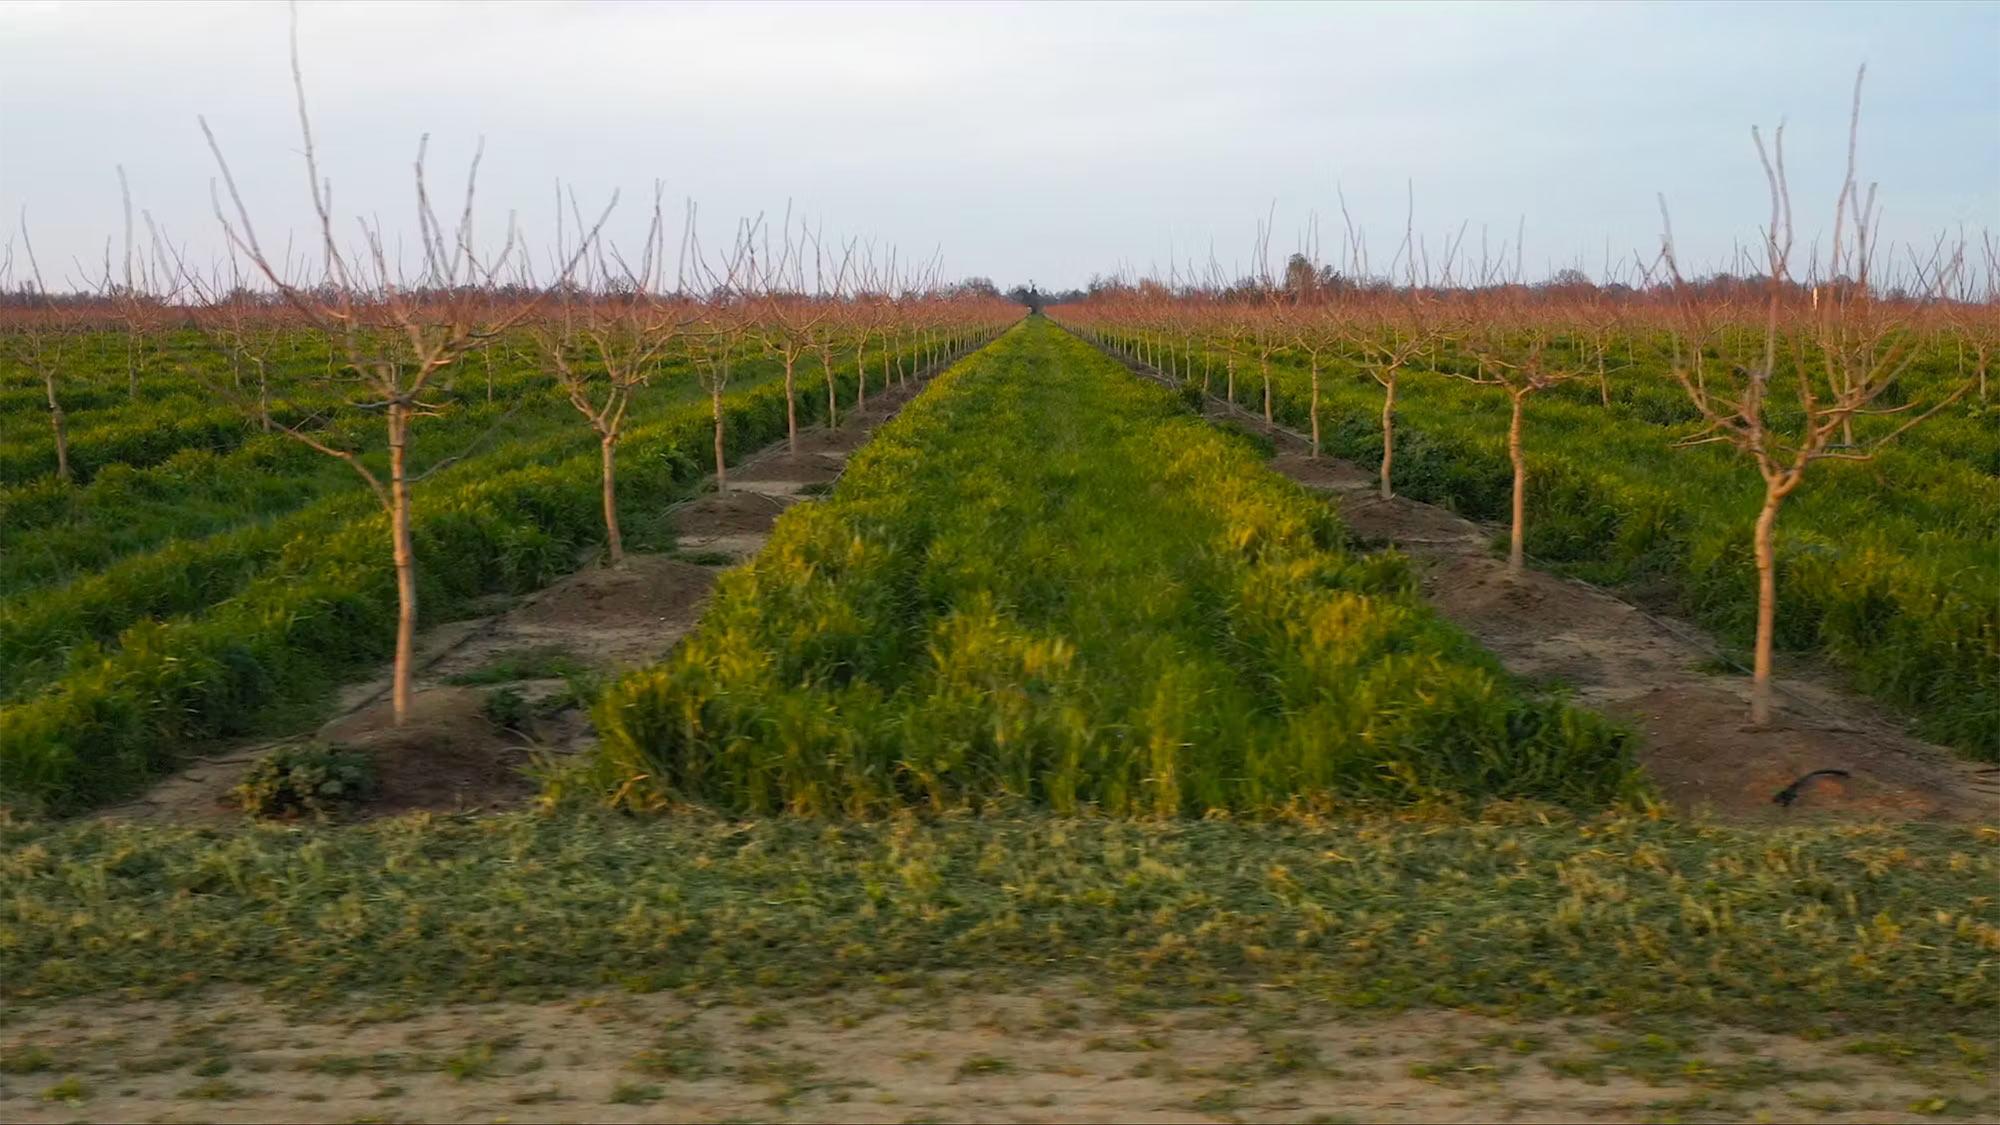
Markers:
point(306, 779)
point(508, 709)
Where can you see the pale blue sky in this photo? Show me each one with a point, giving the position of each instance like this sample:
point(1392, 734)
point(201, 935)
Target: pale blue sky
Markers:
point(1027, 141)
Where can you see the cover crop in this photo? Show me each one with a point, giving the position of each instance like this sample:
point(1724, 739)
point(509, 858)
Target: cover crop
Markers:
point(1047, 582)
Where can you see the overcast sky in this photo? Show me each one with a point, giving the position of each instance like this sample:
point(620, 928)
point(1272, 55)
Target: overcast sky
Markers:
point(1041, 141)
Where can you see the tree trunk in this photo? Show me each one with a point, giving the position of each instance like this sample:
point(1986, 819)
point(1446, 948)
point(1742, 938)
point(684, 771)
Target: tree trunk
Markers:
point(1515, 553)
point(791, 408)
point(832, 405)
point(614, 540)
point(1315, 405)
point(861, 374)
point(57, 423)
point(715, 412)
point(1767, 606)
point(1389, 436)
point(406, 573)
point(1232, 378)
point(1264, 366)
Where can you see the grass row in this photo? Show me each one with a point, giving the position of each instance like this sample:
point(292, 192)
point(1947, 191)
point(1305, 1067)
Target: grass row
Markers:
point(1522, 911)
point(153, 520)
point(1889, 569)
point(1047, 581)
point(324, 605)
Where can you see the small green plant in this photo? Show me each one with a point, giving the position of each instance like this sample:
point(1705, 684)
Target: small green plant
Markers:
point(476, 1061)
point(629, 1093)
point(25, 1059)
point(71, 1089)
point(1191, 396)
point(978, 1066)
point(544, 662)
point(306, 779)
point(215, 1090)
point(508, 709)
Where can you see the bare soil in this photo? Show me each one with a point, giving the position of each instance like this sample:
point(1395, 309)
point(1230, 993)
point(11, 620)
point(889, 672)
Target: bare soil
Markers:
point(738, 512)
point(790, 469)
point(1051, 1054)
point(446, 756)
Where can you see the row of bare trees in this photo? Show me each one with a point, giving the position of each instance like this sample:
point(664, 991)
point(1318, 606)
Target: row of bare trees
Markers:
point(605, 323)
point(1789, 373)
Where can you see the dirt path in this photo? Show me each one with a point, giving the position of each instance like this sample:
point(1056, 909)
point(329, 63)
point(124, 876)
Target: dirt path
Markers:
point(1652, 671)
point(455, 752)
point(919, 1054)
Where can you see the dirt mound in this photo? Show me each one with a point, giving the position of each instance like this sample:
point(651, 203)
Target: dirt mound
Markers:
point(728, 513)
point(1323, 473)
point(446, 756)
point(803, 468)
point(648, 588)
point(839, 442)
point(1700, 752)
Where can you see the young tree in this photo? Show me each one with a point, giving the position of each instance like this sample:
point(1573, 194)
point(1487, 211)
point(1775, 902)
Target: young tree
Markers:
point(1520, 362)
point(787, 320)
point(726, 319)
point(822, 331)
point(605, 339)
point(43, 346)
point(1390, 335)
point(394, 338)
point(1841, 356)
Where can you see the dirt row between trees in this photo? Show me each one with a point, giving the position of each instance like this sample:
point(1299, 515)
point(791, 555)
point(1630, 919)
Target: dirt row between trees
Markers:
point(461, 749)
point(1656, 673)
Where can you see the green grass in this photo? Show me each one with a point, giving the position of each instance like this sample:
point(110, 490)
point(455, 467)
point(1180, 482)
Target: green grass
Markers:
point(1046, 581)
point(548, 662)
point(107, 682)
point(1866, 929)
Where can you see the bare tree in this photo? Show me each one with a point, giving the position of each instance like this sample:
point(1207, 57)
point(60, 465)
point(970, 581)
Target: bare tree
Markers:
point(1520, 362)
point(1842, 354)
point(726, 319)
point(394, 336)
point(42, 345)
point(786, 320)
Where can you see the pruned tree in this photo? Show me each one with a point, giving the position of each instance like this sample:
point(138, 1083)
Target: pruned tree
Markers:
point(43, 345)
point(1521, 362)
point(1390, 338)
point(786, 320)
point(1806, 387)
point(394, 335)
point(726, 319)
point(822, 331)
point(608, 333)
